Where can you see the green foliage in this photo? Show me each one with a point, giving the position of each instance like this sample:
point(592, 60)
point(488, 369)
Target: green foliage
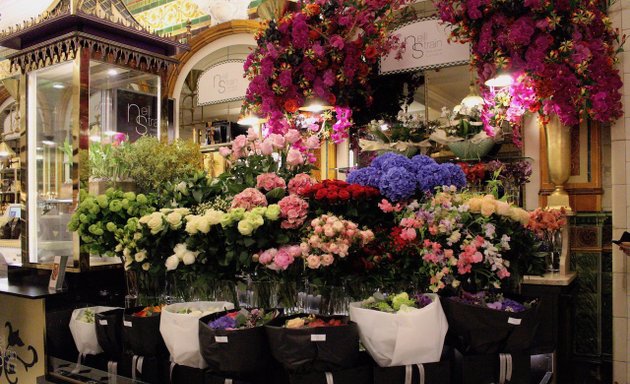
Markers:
point(152, 163)
point(100, 220)
point(107, 161)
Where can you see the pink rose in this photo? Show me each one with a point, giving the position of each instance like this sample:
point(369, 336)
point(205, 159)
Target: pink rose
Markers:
point(283, 259)
point(313, 142)
point(277, 140)
point(294, 157)
point(225, 151)
point(292, 136)
point(313, 261)
point(252, 135)
point(239, 144)
point(267, 256)
point(266, 148)
point(327, 259)
point(300, 183)
point(269, 181)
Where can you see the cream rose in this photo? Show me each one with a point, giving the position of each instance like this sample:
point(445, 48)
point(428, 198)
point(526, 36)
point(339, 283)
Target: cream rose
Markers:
point(140, 256)
point(174, 219)
point(203, 224)
point(214, 217)
point(245, 227)
point(189, 257)
point(171, 263)
point(474, 204)
point(146, 266)
point(313, 261)
point(503, 208)
point(179, 250)
point(488, 207)
point(192, 224)
point(155, 223)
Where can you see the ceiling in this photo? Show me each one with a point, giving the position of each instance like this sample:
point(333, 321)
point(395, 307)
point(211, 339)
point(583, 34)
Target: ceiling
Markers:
point(167, 16)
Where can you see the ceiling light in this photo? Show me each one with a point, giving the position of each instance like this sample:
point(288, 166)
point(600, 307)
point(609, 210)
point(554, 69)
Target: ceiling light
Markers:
point(112, 72)
point(251, 119)
point(5, 150)
point(500, 81)
point(472, 99)
point(58, 86)
point(315, 105)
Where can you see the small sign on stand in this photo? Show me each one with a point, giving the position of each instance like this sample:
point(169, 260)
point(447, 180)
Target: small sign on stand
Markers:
point(58, 273)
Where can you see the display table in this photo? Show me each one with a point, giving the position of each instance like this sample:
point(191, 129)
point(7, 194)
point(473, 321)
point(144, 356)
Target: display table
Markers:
point(23, 320)
point(554, 333)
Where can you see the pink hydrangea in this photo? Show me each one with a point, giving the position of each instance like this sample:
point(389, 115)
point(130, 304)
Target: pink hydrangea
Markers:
point(293, 211)
point(269, 181)
point(300, 183)
point(249, 198)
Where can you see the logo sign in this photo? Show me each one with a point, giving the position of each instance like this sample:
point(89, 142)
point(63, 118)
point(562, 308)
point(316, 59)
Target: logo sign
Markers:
point(137, 114)
point(426, 47)
point(16, 11)
point(221, 83)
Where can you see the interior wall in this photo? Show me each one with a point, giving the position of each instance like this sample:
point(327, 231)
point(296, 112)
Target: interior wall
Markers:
point(620, 170)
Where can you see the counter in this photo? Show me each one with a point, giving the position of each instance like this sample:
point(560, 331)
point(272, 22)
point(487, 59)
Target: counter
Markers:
point(23, 332)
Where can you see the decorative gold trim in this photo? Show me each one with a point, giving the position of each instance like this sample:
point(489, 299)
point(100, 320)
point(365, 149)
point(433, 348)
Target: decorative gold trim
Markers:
point(62, 9)
point(64, 48)
point(206, 37)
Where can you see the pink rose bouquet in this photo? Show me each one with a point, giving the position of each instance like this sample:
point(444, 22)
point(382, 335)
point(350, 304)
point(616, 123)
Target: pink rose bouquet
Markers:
point(279, 259)
point(248, 199)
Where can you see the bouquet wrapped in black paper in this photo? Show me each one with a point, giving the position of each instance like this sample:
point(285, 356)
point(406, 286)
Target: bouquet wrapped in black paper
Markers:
point(487, 323)
point(235, 342)
point(309, 343)
point(141, 331)
point(109, 332)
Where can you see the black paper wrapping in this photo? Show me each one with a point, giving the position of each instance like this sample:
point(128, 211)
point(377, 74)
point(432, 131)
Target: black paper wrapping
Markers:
point(150, 370)
point(484, 369)
point(477, 330)
point(296, 351)
point(434, 373)
point(246, 350)
point(109, 332)
point(141, 335)
point(357, 375)
point(181, 374)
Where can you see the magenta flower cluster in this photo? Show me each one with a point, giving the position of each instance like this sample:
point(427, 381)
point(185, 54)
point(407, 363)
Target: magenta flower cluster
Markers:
point(567, 48)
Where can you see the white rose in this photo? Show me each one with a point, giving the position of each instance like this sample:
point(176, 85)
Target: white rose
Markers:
point(141, 256)
point(203, 224)
point(214, 217)
point(137, 236)
point(126, 253)
point(145, 219)
point(118, 248)
point(172, 262)
point(155, 223)
point(189, 257)
point(146, 266)
point(174, 219)
point(180, 249)
point(192, 224)
point(182, 211)
point(128, 262)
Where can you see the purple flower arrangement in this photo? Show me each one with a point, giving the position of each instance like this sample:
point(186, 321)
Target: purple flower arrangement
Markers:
point(399, 178)
point(244, 318)
point(493, 301)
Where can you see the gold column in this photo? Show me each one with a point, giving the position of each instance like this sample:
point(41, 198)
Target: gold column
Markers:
point(558, 137)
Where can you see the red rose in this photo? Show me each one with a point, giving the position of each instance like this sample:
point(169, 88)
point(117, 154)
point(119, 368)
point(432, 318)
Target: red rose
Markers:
point(320, 194)
point(332, 195)
point(344, 195)
point(291, 105)
point(313, 34)
point(370, 52)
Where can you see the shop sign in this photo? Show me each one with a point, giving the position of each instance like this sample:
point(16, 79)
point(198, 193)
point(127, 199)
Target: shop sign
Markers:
point(426, 47)
point(137, 114)
point(221, 83)
point(16, 11)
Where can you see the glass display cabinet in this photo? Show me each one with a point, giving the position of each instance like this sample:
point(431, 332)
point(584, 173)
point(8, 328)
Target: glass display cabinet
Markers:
point(89, 74)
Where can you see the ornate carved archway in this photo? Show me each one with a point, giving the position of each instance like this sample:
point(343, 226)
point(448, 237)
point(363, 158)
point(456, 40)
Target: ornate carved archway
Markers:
point(201, 40)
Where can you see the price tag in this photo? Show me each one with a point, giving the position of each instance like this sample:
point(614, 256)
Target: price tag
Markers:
point(221, 339)
point(318, 337)
point(127, 323)
point(514, 321)
point(102, 322)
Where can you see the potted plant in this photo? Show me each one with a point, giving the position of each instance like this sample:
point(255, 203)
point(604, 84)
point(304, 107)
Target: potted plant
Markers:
point(107, 168)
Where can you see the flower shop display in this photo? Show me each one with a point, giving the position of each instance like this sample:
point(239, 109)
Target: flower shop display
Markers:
point(326, 50)
point(141, 331)
point(468, 239)
point(547, 224)
point(568, 50)
point(487, 322)
point(401, 330)
point(325, 348)
point(235, 342)
point(400, 178)
point(407, 135)
point(83, 329)
point(179, 327)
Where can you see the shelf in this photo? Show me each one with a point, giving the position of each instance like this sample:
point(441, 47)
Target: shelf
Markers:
point(9, 170)
point(9, 193)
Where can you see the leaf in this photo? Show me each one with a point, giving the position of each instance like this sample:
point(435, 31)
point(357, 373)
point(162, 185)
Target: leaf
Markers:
point(275, 194)
point(248, 242)
point(282, 238)
point(197, 195)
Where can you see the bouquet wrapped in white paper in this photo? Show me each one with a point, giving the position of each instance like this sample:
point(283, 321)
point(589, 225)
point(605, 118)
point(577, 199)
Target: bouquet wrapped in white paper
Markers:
point(179, 326)
point(400, 330)
point(83, 329)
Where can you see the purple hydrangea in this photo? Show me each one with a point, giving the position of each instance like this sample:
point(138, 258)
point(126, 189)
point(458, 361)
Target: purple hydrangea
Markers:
point(368, 176)
point(223, 322)
point(397, 184)
point(390, 159)
point(457, 176)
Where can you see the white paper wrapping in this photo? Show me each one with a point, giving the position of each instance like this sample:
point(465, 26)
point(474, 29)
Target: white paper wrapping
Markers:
point(405, 338)
point(181, 331)
point(84, 334)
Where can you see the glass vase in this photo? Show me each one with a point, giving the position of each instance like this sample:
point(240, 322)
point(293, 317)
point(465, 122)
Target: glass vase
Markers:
point(288, 297)
point(334, 300)
point(131, 298)
point(265, 294)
